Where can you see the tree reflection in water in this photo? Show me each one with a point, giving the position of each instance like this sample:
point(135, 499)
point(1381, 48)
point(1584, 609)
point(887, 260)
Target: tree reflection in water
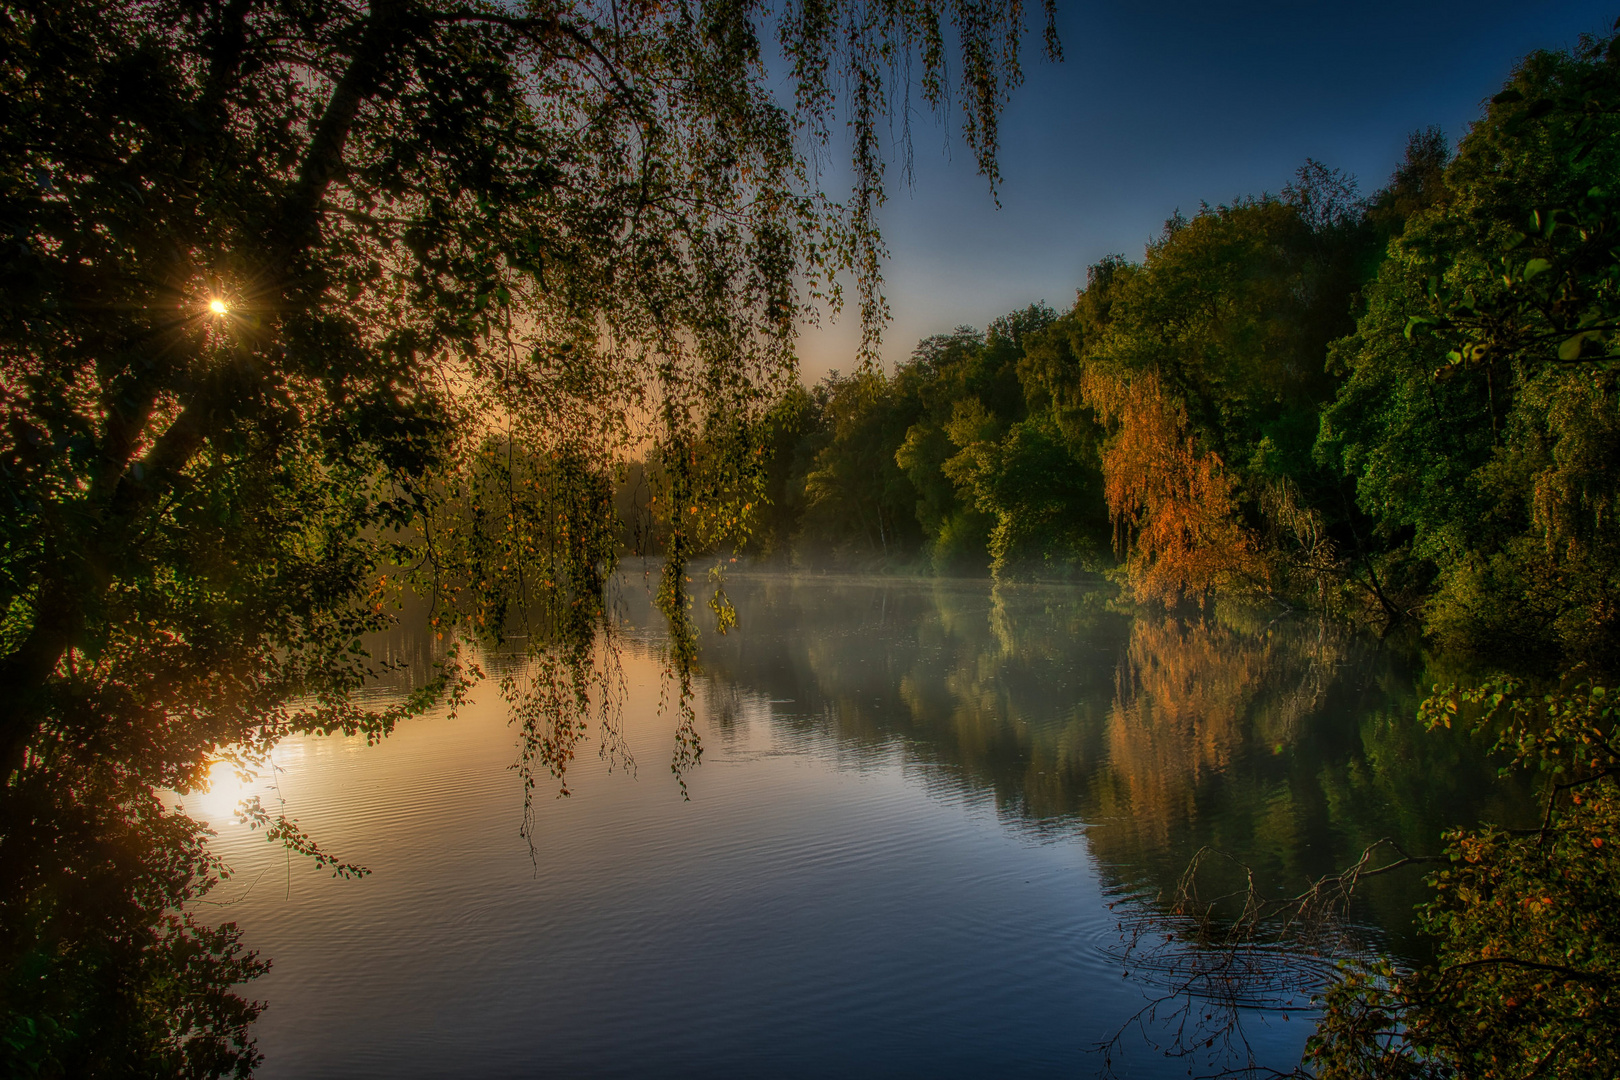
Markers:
point(1286, 743)
point(1282, 741)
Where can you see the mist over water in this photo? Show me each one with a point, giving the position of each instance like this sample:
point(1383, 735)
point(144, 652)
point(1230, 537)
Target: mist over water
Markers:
point(917, 802)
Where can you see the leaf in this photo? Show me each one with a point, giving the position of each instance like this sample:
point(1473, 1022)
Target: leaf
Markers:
point(1535, 267)
point(1571, 348)
point(1507, 97)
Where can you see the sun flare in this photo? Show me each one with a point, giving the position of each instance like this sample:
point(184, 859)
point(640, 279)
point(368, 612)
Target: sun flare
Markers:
point(218, 306)
point(225, 791)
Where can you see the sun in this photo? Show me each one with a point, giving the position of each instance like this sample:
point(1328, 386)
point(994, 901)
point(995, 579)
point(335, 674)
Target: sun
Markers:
point(218, 306)
point(226, 789)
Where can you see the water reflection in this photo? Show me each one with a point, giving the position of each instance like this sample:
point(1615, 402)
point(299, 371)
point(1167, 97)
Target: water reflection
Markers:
point(1284, 740)
point(916, 804)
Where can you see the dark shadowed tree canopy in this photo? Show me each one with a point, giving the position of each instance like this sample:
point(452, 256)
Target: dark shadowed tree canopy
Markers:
point(304, 303)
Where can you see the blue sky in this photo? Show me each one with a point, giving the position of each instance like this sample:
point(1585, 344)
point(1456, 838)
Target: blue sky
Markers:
point(1159, 106)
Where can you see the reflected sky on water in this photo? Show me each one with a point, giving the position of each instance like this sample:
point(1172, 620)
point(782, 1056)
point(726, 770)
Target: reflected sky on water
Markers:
point(917, 802)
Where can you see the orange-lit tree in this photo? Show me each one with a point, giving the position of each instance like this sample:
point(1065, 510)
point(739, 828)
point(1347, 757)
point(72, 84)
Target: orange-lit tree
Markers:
point(1206, 366)
point(1174, 506)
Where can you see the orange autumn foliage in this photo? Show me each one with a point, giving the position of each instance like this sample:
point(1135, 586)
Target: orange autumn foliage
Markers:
point(1174, 506)
point(1184, 695)
point(1192, 697)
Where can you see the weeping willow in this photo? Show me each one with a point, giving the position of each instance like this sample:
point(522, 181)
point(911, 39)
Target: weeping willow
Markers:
point(311, 305)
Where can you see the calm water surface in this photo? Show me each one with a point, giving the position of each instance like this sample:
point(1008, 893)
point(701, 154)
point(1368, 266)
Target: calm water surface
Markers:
point(917, 803)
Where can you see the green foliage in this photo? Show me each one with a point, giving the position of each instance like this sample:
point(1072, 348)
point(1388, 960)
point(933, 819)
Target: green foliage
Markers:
point(1480, 418)
point(1042, 494)
point(1401, 408)
point(857, 499)
point(1523, 983)
point(794, 434)
point(1417, 184)
point(103, 976)
point(948, 461)
point(1234, 308)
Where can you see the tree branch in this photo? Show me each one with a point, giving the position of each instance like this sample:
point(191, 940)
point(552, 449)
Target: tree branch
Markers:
point(386, 28)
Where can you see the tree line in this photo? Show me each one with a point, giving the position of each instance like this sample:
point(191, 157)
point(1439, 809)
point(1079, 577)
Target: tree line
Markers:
point(1401, 407)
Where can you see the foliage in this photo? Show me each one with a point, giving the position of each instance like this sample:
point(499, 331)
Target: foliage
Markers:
point(104, 977)
point(1399, 408)
point(794, 434)
point(308, 305)
point(1039, 490)
point(948, 462)
point(961, 386)
point(1529, 940)
point(1202, 365)
point(1479, 418)
point(856, 496)
point(1174, 505)
point(1342, 476)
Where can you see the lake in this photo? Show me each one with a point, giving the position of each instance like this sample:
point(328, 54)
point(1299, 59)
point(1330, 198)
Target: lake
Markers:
point(924, 812)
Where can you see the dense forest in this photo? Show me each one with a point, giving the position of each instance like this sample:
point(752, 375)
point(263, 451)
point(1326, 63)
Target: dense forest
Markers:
point(1400, 407)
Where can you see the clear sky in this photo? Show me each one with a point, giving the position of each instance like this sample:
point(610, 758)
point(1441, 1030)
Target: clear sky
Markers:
point(1159, 106)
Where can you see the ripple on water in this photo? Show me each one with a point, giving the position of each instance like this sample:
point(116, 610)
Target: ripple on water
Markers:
point(822, 905)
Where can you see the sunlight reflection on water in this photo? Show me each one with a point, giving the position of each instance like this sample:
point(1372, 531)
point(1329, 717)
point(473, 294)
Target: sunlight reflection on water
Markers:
point(888, 866)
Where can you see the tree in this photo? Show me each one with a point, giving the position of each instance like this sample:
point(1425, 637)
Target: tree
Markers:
point(1205, 365)
point(1525, 922)
point(307, 303)
point(857, 499)
point(1479, 415)
point(968, 395)
point(795, 432)
point(944, 374)
point(1034, 476)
